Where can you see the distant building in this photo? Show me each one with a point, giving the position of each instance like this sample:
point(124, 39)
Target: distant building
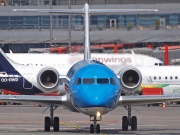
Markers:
point(168, 18)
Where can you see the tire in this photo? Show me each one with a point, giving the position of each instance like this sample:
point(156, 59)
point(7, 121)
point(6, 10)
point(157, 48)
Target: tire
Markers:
point(98, 128)
point(134, 123)
point(56, 124)
point(125, 123)
point(91, 128)
point(47, 124)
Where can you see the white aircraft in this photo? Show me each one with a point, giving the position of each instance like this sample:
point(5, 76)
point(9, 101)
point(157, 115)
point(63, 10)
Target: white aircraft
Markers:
point(61, 60)
point(91, 87)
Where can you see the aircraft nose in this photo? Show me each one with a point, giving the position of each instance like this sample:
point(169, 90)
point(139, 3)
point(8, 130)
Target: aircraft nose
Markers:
point(103, 96)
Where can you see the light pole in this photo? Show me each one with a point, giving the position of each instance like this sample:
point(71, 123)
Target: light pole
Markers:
point(69, 24)
point(51, 29)
point(178, 39)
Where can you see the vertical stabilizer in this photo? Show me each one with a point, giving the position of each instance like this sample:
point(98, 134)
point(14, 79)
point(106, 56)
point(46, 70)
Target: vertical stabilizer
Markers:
point(87, 54)
point(5, 65)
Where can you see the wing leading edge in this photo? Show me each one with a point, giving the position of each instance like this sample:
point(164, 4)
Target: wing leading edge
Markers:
point(62, 100)
point(135, 100)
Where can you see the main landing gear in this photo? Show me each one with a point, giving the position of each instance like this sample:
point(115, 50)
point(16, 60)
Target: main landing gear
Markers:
point(129, 121)
point(95, 126)
point(51, 121)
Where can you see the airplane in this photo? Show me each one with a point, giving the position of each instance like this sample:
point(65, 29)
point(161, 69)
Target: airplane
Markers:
point(60, 60)
point(91, 87)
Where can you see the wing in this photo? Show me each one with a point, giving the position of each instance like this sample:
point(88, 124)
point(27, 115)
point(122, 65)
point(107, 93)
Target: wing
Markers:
point(133, 100)
point(35, 99)
point(47, 100)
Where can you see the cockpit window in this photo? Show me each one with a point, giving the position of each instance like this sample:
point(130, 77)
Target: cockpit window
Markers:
point(102, 80)
point(88, 80)
point(156, 64)
point(78, 81)
point(112, 81)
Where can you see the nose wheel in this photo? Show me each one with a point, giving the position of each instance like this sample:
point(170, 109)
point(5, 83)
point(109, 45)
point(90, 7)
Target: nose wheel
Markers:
point(129, 121)
point(95, 126)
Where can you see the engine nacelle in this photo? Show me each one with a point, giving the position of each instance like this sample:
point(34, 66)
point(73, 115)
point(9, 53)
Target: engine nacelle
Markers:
point(48, 79)
point(130, 79)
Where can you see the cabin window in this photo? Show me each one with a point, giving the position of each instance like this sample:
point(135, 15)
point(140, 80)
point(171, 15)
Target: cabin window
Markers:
point(112, 81)
point(154, 77)
point(78, 81)
point(88, 80)
point(161, 64)
point(166, 77)
point(102, 80)
point(171, 77)
point(159, 78)
point(176, 77)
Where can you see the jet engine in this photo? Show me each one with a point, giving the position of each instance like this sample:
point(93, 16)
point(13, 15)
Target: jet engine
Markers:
point(130, 79)
point(48, 79)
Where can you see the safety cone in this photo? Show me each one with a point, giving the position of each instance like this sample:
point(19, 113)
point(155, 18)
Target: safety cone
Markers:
point(164, 105)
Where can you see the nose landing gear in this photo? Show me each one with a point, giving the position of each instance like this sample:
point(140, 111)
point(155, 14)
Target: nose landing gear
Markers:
point(95, 126)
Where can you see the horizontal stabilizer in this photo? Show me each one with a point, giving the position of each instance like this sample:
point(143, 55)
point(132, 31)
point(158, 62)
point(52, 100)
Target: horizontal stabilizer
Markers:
point(60, 11)
point(119, 11)
point(91, 11)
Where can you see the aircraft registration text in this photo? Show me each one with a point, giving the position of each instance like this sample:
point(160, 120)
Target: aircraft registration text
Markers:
point(9, 79)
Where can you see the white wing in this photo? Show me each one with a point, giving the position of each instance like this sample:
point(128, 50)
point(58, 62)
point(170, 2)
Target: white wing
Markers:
point(47, 100)
point(62, 100)
point(133, 100)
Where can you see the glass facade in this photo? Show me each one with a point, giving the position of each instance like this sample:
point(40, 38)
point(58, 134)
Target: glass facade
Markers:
point(81, 2)
point(61, 21)
point(29, 2)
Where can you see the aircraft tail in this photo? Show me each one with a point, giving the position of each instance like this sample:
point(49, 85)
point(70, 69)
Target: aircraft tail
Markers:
point(5, 65)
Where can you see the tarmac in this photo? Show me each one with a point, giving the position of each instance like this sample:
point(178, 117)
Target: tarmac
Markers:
point(29, 120)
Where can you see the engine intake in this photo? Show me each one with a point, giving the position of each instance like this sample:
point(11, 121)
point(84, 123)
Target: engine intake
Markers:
point(48, 78)
point(130, 79)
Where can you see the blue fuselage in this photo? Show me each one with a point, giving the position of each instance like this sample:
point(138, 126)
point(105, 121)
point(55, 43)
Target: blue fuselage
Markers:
point(93, 85)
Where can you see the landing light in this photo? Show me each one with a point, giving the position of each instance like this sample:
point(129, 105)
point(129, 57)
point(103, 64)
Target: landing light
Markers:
point(98, 114)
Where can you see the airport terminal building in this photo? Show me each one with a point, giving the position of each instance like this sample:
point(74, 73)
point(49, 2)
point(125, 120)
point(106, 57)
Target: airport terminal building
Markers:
point(21, 30)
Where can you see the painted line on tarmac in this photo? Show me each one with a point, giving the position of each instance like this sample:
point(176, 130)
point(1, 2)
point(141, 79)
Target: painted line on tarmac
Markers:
point(70, 125)
point(74, 126)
